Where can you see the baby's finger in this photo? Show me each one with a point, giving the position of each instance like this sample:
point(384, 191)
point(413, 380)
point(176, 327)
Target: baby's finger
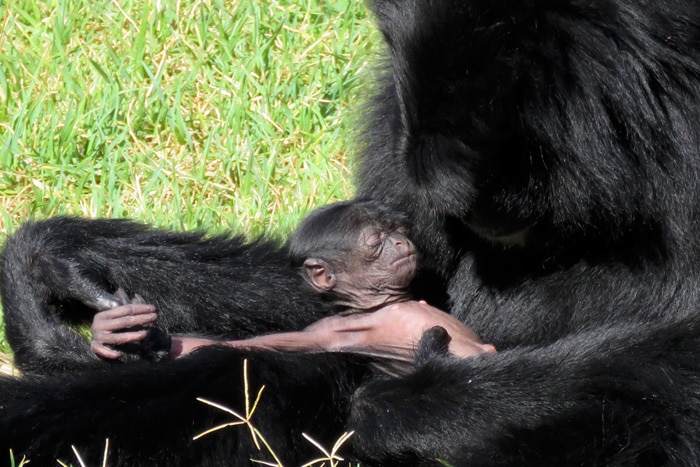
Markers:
point(103, 351)
point(128, 310)
point(138, 299)
point(120, 294)
point(120, 338)
point(128, 322)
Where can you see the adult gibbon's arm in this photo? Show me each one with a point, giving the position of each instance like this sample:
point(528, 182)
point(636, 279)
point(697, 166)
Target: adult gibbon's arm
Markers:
point(613, 396)
point(64, 269)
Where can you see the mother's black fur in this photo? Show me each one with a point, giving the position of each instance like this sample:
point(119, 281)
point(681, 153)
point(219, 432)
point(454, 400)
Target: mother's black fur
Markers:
point(547, 155)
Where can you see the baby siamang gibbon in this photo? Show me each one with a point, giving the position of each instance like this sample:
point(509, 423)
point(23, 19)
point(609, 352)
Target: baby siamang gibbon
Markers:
point(545, 156)
point(358, 255)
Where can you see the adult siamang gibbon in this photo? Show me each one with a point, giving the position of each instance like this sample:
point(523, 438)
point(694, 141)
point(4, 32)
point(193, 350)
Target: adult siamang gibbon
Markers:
point(546, 154)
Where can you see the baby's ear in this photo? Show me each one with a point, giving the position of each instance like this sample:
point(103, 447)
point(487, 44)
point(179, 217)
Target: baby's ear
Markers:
point(319, 275)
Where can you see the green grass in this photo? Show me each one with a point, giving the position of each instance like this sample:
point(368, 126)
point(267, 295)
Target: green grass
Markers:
point(216, 115)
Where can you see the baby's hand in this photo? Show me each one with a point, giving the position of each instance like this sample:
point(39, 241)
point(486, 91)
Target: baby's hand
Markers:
point(121, 325)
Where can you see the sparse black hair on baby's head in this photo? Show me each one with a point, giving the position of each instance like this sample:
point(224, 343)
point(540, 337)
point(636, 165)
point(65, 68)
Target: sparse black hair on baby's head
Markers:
point(335, 228)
